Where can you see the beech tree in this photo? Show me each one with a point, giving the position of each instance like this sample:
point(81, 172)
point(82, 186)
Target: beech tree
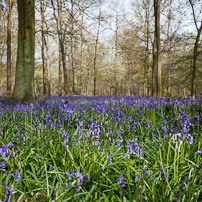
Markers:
point(196, 46)
point(158, 45)
point(96, 47)
point(24, 79)
point(10, 13)
point(44, 61)
point(62, 52)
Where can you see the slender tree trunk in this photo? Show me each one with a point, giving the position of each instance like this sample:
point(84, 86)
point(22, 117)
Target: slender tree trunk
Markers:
point(9, 65)
point(81, 76)
point(184, 92)
point(153, 93)
point(73, 49)
point(147, 49)
point(24, 79)
point(60, 72)
point(95, 56)
point(168, 36)
point(158, 47)
point(44, 65)
point(193, 83)
point(61, 41)
point(48, 68)
point(59, 24)
point(61, 44)
point(64, 67)
point(116, 52)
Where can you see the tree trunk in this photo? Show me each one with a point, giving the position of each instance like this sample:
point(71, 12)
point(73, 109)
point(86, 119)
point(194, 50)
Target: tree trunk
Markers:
point(193, 83)
point(95, 56)
point(116, 52)
point(184, 92)
point(153, 93)
point(168, 36)
point(61, 45)
point(73, 48)
point(147, 49)
point(44, 65)
point(60, 72)
point(48, 69)
point(60, 50)
point(24, 80)
point(64, 66)
point(81, 76)
point(158, 47)
point(10, 14)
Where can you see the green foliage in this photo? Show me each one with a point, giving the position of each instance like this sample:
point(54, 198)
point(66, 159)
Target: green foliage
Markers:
point(159, 174)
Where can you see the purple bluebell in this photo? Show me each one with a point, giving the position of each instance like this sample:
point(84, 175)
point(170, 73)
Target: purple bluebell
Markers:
point(77, 187)
point(56, 189)
point(121, 179)
point(185, 185)
point(2, 165)
point(144, 197)
point(199, 152)
point(138, 178)
point(79, 175)
point(3, 150)
point(176, 199)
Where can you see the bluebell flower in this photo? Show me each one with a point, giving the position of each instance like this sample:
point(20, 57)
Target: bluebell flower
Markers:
point(12, 189)
point(7, 173)
point(199, 152)
point(144, 197)
point(77, 187)
point(56, 189)
point(17, 175)
point(7, 158)
point(125, 155)
point(144, 172)
point(138, 178)
point(2, 165)
point(3, 151)
point(185, 185)
point(79, 175)
point(69, 177)
point(121, 179)
point(185, 177)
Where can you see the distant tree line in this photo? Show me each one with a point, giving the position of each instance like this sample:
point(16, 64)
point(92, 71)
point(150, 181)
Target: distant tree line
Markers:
point(100, 47)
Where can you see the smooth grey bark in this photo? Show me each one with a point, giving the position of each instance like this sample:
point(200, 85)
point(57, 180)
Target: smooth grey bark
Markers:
point(154, 68)
point(116, 52)
point(64, 68)
point(82, 57)
point(60, 72)
point(73, 49)
point(44, 65)
point(169, 57)
point(9, 63)
point(48, 68)
point(60, 50)
point(24, 79)
point(61, 44)
point(147, 48)
point(95, 55)
point(158, 47)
